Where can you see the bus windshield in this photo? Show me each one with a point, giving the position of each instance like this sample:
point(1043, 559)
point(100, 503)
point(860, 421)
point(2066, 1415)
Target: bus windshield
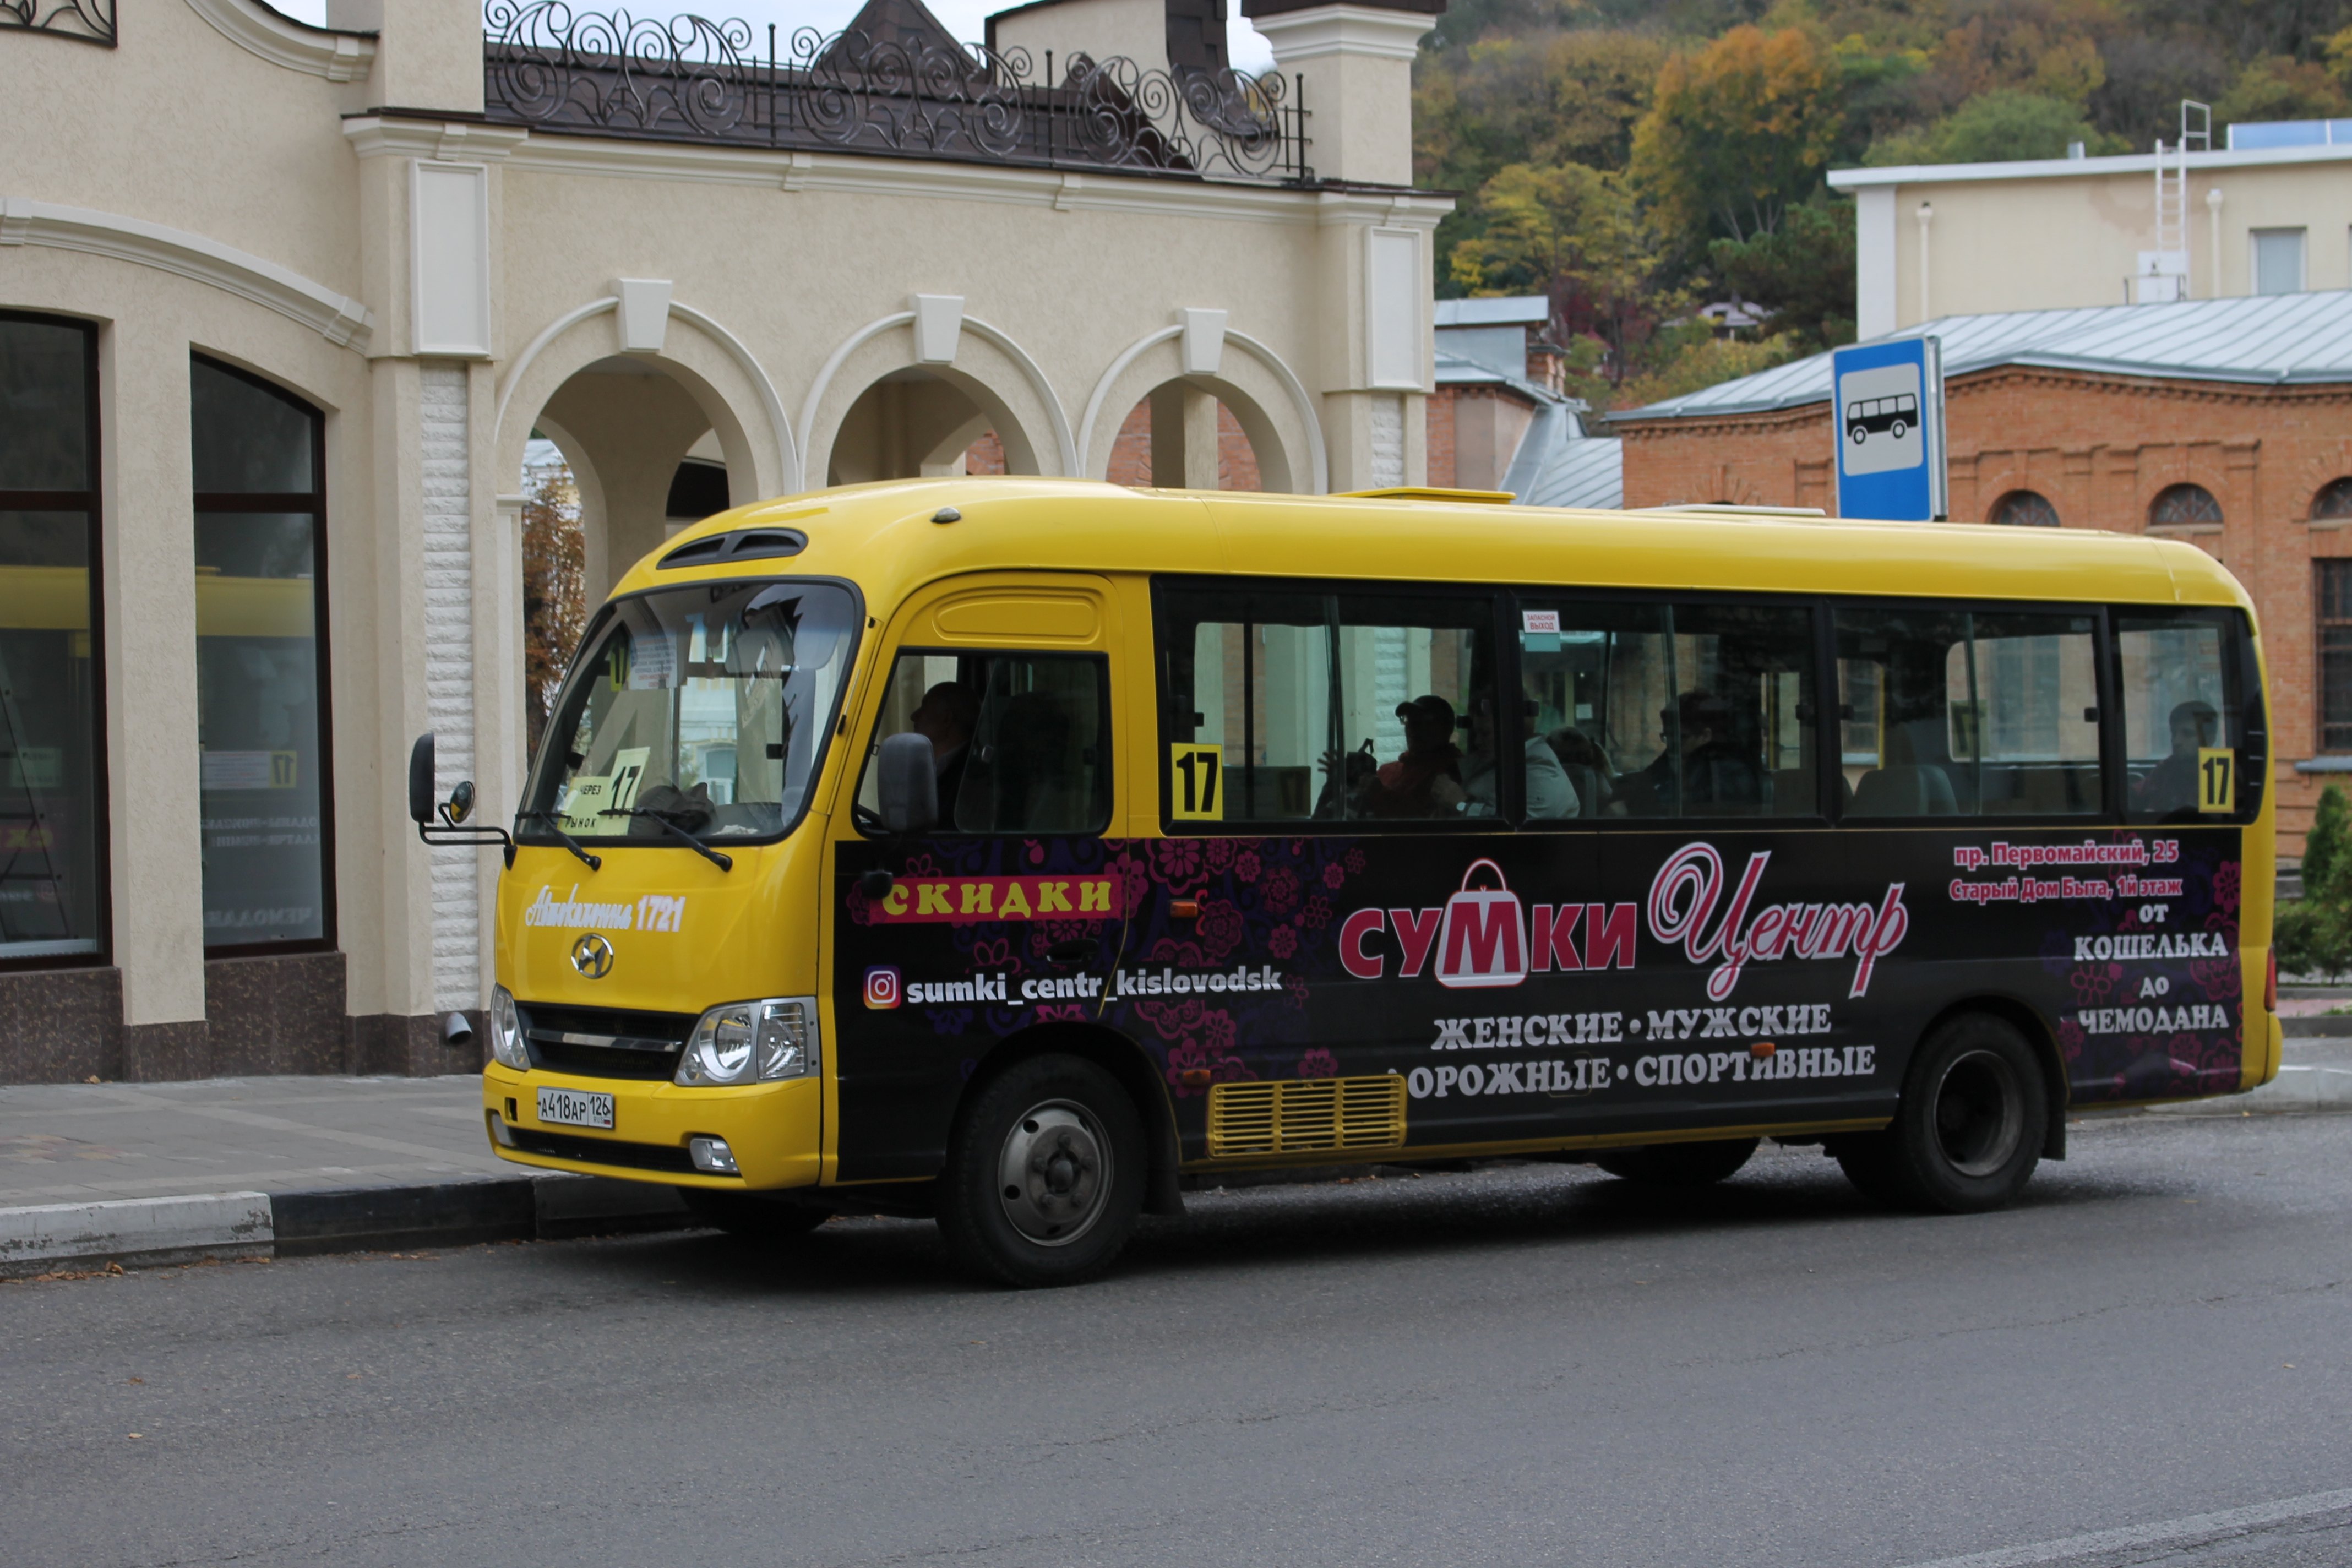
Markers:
point(705, 707)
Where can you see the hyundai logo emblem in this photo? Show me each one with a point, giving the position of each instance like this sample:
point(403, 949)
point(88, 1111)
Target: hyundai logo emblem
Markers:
point(592, 955)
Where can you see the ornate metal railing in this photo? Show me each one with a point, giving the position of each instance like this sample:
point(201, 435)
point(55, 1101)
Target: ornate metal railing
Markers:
point(689, 79)
point(91, 21)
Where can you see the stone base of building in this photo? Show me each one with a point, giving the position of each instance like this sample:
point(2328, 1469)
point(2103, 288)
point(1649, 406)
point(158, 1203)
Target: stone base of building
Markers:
point(263, 1015)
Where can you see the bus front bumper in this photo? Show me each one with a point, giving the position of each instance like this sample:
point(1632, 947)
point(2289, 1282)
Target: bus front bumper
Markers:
point(771, 1128)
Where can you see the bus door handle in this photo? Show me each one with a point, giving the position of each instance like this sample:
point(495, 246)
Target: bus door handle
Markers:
point(1070, 954)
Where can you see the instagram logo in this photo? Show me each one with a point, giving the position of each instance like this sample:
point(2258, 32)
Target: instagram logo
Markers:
point(882, 986)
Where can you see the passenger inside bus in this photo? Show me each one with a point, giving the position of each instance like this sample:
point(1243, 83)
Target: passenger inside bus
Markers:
point(1551, 795)
point(2171, 785)
point(945, 718)
point(1426, 781)
point(1585, 764)
point(1016, 740)
point(1702, 770)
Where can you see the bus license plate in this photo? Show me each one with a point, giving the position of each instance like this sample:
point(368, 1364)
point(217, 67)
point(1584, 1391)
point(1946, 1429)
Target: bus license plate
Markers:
point(570, 1107)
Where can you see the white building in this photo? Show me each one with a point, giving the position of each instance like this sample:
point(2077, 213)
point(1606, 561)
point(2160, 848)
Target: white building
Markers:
point(2266, 215)
point(281, 306)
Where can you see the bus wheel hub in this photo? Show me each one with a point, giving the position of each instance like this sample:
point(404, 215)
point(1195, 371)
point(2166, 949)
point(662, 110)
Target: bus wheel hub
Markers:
point(1054, 1173)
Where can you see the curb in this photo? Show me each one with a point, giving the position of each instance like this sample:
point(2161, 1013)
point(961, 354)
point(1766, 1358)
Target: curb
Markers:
point(162, 1231)
point(2296, 1088)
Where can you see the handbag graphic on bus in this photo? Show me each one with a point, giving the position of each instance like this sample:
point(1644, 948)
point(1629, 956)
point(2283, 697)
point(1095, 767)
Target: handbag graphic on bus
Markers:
point(1483, 938)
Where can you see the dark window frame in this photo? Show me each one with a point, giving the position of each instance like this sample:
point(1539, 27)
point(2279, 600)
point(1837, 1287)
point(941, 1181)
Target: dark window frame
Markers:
point(1518, 596)
point(90, 503)
point(538, 837)
point(284, 503)
point(2253, 780)
point(1509, 804)
point(2324, 568)
point(1109, 746)
point(2113, 786)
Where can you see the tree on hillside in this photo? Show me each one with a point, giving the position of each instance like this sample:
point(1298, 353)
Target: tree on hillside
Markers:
point(1567, 232)
point(2279, 88)
point(2049, 47)
point(1802, 272)
point(1996, 128)
point(2147, 79)
point(1551, 99)
point(1739, 133)
point(2247, 29)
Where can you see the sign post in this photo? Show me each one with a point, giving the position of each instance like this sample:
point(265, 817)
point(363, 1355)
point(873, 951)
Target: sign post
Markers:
point(1888, 403)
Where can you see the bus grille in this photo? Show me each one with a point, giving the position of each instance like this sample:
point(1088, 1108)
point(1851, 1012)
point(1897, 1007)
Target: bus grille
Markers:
point(604, 1043)
point(1305, 1115)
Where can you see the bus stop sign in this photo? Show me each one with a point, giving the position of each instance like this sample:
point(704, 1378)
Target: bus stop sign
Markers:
point(1888, 398)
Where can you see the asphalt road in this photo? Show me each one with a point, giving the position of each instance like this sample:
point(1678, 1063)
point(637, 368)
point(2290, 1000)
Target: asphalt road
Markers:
point(1526, 1364)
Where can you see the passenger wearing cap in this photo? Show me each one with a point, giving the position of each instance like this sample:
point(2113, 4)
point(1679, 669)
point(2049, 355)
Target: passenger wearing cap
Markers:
point(1424, 781)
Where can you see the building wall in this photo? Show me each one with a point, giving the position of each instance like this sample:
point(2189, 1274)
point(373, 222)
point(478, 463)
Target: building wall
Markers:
point(224, 182)
point(2100, 450)
point(2036, 236)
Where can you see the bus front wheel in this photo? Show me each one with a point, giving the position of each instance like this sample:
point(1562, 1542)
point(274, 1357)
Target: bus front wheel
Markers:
point(1678, 1164)
point(1044, 1174)
point(1968, 1131)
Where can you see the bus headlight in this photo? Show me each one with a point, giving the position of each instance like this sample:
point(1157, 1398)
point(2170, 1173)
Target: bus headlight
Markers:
point(747, 1042)
point(506, 1031)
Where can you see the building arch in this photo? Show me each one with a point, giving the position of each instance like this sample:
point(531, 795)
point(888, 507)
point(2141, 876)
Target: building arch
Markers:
point(714, 367)
point(1272, 405)
point(986, 366)
point(2184, 504)
point(2023, 507)
point(342, 320)
point(2332, 500)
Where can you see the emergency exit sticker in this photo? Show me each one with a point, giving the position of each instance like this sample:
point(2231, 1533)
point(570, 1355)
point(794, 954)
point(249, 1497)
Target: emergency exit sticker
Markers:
point(2216, 782)
point(1196, 781)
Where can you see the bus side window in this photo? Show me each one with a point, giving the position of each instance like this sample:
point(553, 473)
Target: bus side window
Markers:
point(2187, 728)
point(1682, 711)
point(1314, 705)
point(1949, 712)
point(1022, 740)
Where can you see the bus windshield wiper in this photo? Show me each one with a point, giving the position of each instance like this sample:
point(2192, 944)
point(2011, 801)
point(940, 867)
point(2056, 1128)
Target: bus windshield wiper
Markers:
point(724, 862)
point(555, 826)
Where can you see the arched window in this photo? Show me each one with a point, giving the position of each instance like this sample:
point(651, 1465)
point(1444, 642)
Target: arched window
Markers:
point(2025, 508)
point(2334, 500)
point(2184, 503)
point(260, 670)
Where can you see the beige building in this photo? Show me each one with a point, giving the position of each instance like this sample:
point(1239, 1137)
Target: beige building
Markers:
point(281, 308)
point(1978, 238)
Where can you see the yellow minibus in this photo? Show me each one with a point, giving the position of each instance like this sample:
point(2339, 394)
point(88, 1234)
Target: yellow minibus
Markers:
point(1007, 852)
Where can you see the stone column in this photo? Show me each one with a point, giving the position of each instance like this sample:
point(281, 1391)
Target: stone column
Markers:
point(1184, 437)
point(1353, 66)
point(153, 752)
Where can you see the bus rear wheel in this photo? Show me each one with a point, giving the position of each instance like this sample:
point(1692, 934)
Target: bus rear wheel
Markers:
point(1968, 1131)
point(1678, 1164)
point(1044, 1174)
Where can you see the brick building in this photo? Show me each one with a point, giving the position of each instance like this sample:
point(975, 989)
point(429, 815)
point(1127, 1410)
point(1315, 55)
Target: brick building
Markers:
point(1498, 420)
point(2227, 422)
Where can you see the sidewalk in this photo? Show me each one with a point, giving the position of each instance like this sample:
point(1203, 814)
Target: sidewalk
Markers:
point(93, 1173)
point(276, 1166)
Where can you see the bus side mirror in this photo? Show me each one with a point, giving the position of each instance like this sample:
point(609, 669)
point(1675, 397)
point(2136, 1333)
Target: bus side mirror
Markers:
point(422, 809)
point(907, 781)
point(420, 780)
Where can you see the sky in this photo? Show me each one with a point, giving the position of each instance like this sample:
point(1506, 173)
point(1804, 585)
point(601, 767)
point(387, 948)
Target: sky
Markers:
point(965, 18)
